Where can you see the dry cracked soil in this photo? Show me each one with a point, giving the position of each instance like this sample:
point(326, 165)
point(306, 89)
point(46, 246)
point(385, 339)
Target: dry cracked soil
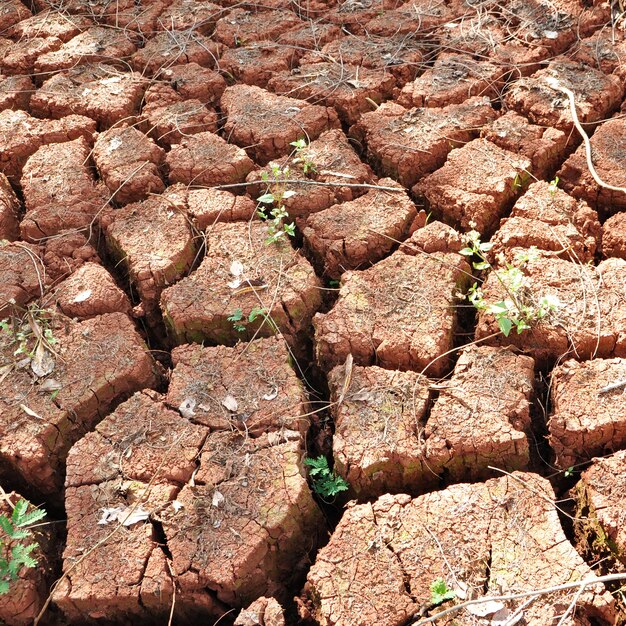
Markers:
point(263, 264)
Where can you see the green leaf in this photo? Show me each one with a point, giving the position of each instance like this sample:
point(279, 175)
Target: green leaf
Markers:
point(483, 265)
point(505, 325)
point(237, 316)
point(266, 198)
point(4, 587)
point(318, 465)
point(439, 592)
point(466, 252)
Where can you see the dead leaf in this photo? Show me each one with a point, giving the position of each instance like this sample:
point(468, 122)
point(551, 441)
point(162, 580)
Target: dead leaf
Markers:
point(177, 506)
point(30, 412)
point(362, 395)
point(218, 500)
point(272, 394)
point(82, 296)
point(42, 362)
point(124, 515)
point(5, 370)
point(489, 607)
point(230, 403)
point(503, 618)
point(50, 384)
point(236, 268)
point(187, 407)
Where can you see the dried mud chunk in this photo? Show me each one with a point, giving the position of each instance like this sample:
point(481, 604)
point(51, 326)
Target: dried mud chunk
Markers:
point(266, 123)
point(174, 47)
point(476, 185)
point(256, 63)
point(250, 387)
point(108, 475)
point(128, 162)
point(29, 591)
point(614, 236)
point(66, 252)
point(20, 57)
point(91, 291)
point(406, 145)
point(142, 17)
point(153, 242)
point(190, 15)
point(265, 285)
point(432, 237)
point(247, 524)
point(353, 16)
point(98, 91)
point(453, 79)
point(589, 320)
point(209, 206)
point(328, 159)
point(604, 51)
point(50, 23)
point(347, 88)
point(378, 444)
point(97, 44)
point(206, 159)
point(312, 36)
point(609, 161)
point(600, 494)
point(12, 12)
point(547, 218)
point(384, 551)
point(23, 275)
point(97, 363)
point(417, 16)
point(399, 314)
point(360, 232)
point(587, 419)
point(265, 611)
point(242, 27)
point(9, 211)
point(59, 199)
point(596, 95)
point(193, 82)
point(15, 92)
point(545, 147)
point(400, 56)
point(21, 135)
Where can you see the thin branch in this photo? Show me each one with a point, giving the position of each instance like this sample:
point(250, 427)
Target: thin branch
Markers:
point(307, 182)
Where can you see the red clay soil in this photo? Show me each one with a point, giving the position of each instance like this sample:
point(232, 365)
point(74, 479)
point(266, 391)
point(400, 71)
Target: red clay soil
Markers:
point(398, 314)
point(22, 275)
point(589, 322)
point(555, 223)
point(353, 16)
point(406, 145)
point(241, 27)
point(240, 274)
point(66, 252)
point(614, 236)
point(256, 63)
point(29, 592)
point(21, 57)
point(262, 612)
point(206, 207)
point(193, 82)
point(50, 23)
point(311, 37)
point(15, 92)
point(198, 17)
point(416, 17)
point(602, 51)
point(60, 199)
point(251, 387)
point(95, 364)
point(11, 12)
point(9, 211)
point(383, 557)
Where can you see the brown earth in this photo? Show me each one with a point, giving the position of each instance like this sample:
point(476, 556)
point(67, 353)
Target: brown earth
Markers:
point(15, 92)
point(242, 27)
point(263, 611)
point(256, 63)
point(9, 211)
point(193, 82)
point(206, 207)
point(614, 236)
point(23, 275)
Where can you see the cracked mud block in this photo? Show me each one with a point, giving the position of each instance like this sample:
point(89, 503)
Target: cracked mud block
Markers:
point(265, 123)
point(108, 475)
point(614, 236)
point(356, 234)
point(12, 12)
point(29, 591)
point(60, 199)
point(66, 252)
point(432, 237)
point(90, 291)
point(21, 135)
point(9, 211)
point(22, 275)
point(95, 45)
point(153, 242)
point(15, 92)
point(400, 56)
point(266, 285)
point(418, 16)
point(168, 119)
point(589, 321)
point(476, 186)
point(453, 79)
point(544, 146)
point(347, 88)
point(209, 206)
point(264, 611)
point(256, 63)
point(602, 51)
point(596, 95)
point(353, 16)
point(20, 57)
point(193, 82)
point(206, 159)
point(96, 363)
point(140, 17)
point(50, 23)
point(399, 314)
point(251, 387)
point(248, 525)
point(499, 537)
point(585, 420)
point(312, 36)
point(173, 47)
point(600, 497)
point(97, 10)
point(242, 26)
point(555, 223)
point(128, 163)
point(406, 145)
point(334, 161)
point(190, 15)
point(609, 160)
point(98, 91)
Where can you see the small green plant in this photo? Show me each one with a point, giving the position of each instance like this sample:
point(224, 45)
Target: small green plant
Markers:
point(440, 593)
point(554, 185)
point(29, 331)
point(569, 472)
point(275, 213)
point(326, 483)
point(302, 156)
point(17, 529)
point(240, 320)
point(518, 310)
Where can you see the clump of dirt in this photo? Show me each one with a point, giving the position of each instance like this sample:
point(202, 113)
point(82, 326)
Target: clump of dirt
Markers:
point(9, 211)
point(243, 26)
point(15, 92)
point(256, 63)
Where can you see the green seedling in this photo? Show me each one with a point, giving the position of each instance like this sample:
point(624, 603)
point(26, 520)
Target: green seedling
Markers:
point(326, 483)
point(440, 593)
